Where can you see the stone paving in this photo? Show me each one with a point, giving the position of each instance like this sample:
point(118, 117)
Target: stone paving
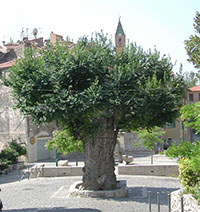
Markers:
point(50, 194)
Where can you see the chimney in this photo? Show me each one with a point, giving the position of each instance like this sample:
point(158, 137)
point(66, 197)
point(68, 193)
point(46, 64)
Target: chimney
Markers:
point(55, 38)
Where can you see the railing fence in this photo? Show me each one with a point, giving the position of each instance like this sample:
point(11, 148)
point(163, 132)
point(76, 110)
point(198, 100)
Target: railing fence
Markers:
point(158, 202)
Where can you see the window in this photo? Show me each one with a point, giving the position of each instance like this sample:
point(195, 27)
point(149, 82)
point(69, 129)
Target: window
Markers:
point(169, 141)
point(170, 125)
point(191, 99)
point(199, 96)
point(120, 42)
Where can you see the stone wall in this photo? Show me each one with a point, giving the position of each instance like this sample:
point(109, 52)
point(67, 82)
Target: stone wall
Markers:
point(15, 126)
point(128, 144)
point(189, 203)
point(12, 124)
point(131, 144)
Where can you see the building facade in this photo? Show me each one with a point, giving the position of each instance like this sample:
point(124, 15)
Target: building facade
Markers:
point(176, 131)
point(14, 126)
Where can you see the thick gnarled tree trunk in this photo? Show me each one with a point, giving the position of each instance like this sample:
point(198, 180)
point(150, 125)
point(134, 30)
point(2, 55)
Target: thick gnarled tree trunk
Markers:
point(99, 159)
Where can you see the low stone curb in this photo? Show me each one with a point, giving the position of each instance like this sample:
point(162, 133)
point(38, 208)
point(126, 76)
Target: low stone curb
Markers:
point(150, 170)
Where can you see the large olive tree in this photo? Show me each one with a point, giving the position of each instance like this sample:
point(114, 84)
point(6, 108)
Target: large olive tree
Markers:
point(95, 92)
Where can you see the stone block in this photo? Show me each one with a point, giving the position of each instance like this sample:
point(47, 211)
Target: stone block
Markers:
point(63, 163)
point(127, 159)
point(190, 204)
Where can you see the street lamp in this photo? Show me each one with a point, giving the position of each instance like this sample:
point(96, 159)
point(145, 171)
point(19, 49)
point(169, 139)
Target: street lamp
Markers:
point(56, 157)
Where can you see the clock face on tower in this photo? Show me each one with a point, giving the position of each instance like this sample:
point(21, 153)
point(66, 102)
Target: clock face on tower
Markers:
point(120, 34)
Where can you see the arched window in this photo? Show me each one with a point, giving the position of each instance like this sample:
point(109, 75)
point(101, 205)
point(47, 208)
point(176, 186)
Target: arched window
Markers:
point(120, 42)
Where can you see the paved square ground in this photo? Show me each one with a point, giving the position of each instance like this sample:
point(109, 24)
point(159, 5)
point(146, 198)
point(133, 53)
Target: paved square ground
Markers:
point(49, 194)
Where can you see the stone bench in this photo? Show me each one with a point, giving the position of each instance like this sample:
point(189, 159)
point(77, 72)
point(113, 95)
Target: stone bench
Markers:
point(60, 171)
point(144, 169)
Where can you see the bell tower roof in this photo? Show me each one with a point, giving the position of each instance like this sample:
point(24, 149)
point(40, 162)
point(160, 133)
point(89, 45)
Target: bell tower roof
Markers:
point(119, 28)
point(120, 37)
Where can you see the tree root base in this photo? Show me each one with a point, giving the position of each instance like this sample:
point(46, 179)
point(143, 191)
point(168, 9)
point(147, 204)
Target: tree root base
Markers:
point(76, 190)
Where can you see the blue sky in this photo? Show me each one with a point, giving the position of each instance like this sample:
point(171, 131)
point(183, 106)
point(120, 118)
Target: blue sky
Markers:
point(161, 23)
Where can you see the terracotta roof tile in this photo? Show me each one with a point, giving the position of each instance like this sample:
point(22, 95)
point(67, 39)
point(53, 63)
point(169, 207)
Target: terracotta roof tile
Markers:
point(8, 64)
point(195, 88)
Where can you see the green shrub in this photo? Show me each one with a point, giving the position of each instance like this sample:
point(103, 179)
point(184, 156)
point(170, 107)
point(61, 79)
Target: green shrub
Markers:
point(18, 148)
point(189, 166)
point(3, 164)
point(196, 192)
point(189, 176)
point(184, 150)
point(9, 154)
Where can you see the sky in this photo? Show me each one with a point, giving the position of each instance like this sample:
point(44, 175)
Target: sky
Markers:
point(163, 24)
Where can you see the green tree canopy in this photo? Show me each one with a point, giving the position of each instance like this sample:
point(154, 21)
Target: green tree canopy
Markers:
point(94, 92)
point(78, 86)
point(191, 78)
point(64, 142)
point(191, 113)
point(150, 138)
point(193, 44)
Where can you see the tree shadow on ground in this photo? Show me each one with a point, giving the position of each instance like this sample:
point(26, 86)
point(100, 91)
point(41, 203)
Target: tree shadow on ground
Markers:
point(56, 209)
point(141, 194)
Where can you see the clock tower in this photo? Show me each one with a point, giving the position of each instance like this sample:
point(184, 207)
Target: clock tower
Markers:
point(120, 37)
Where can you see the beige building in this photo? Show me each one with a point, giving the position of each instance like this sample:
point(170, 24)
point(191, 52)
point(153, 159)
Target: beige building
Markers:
point(193, 94)
point(176, 132)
